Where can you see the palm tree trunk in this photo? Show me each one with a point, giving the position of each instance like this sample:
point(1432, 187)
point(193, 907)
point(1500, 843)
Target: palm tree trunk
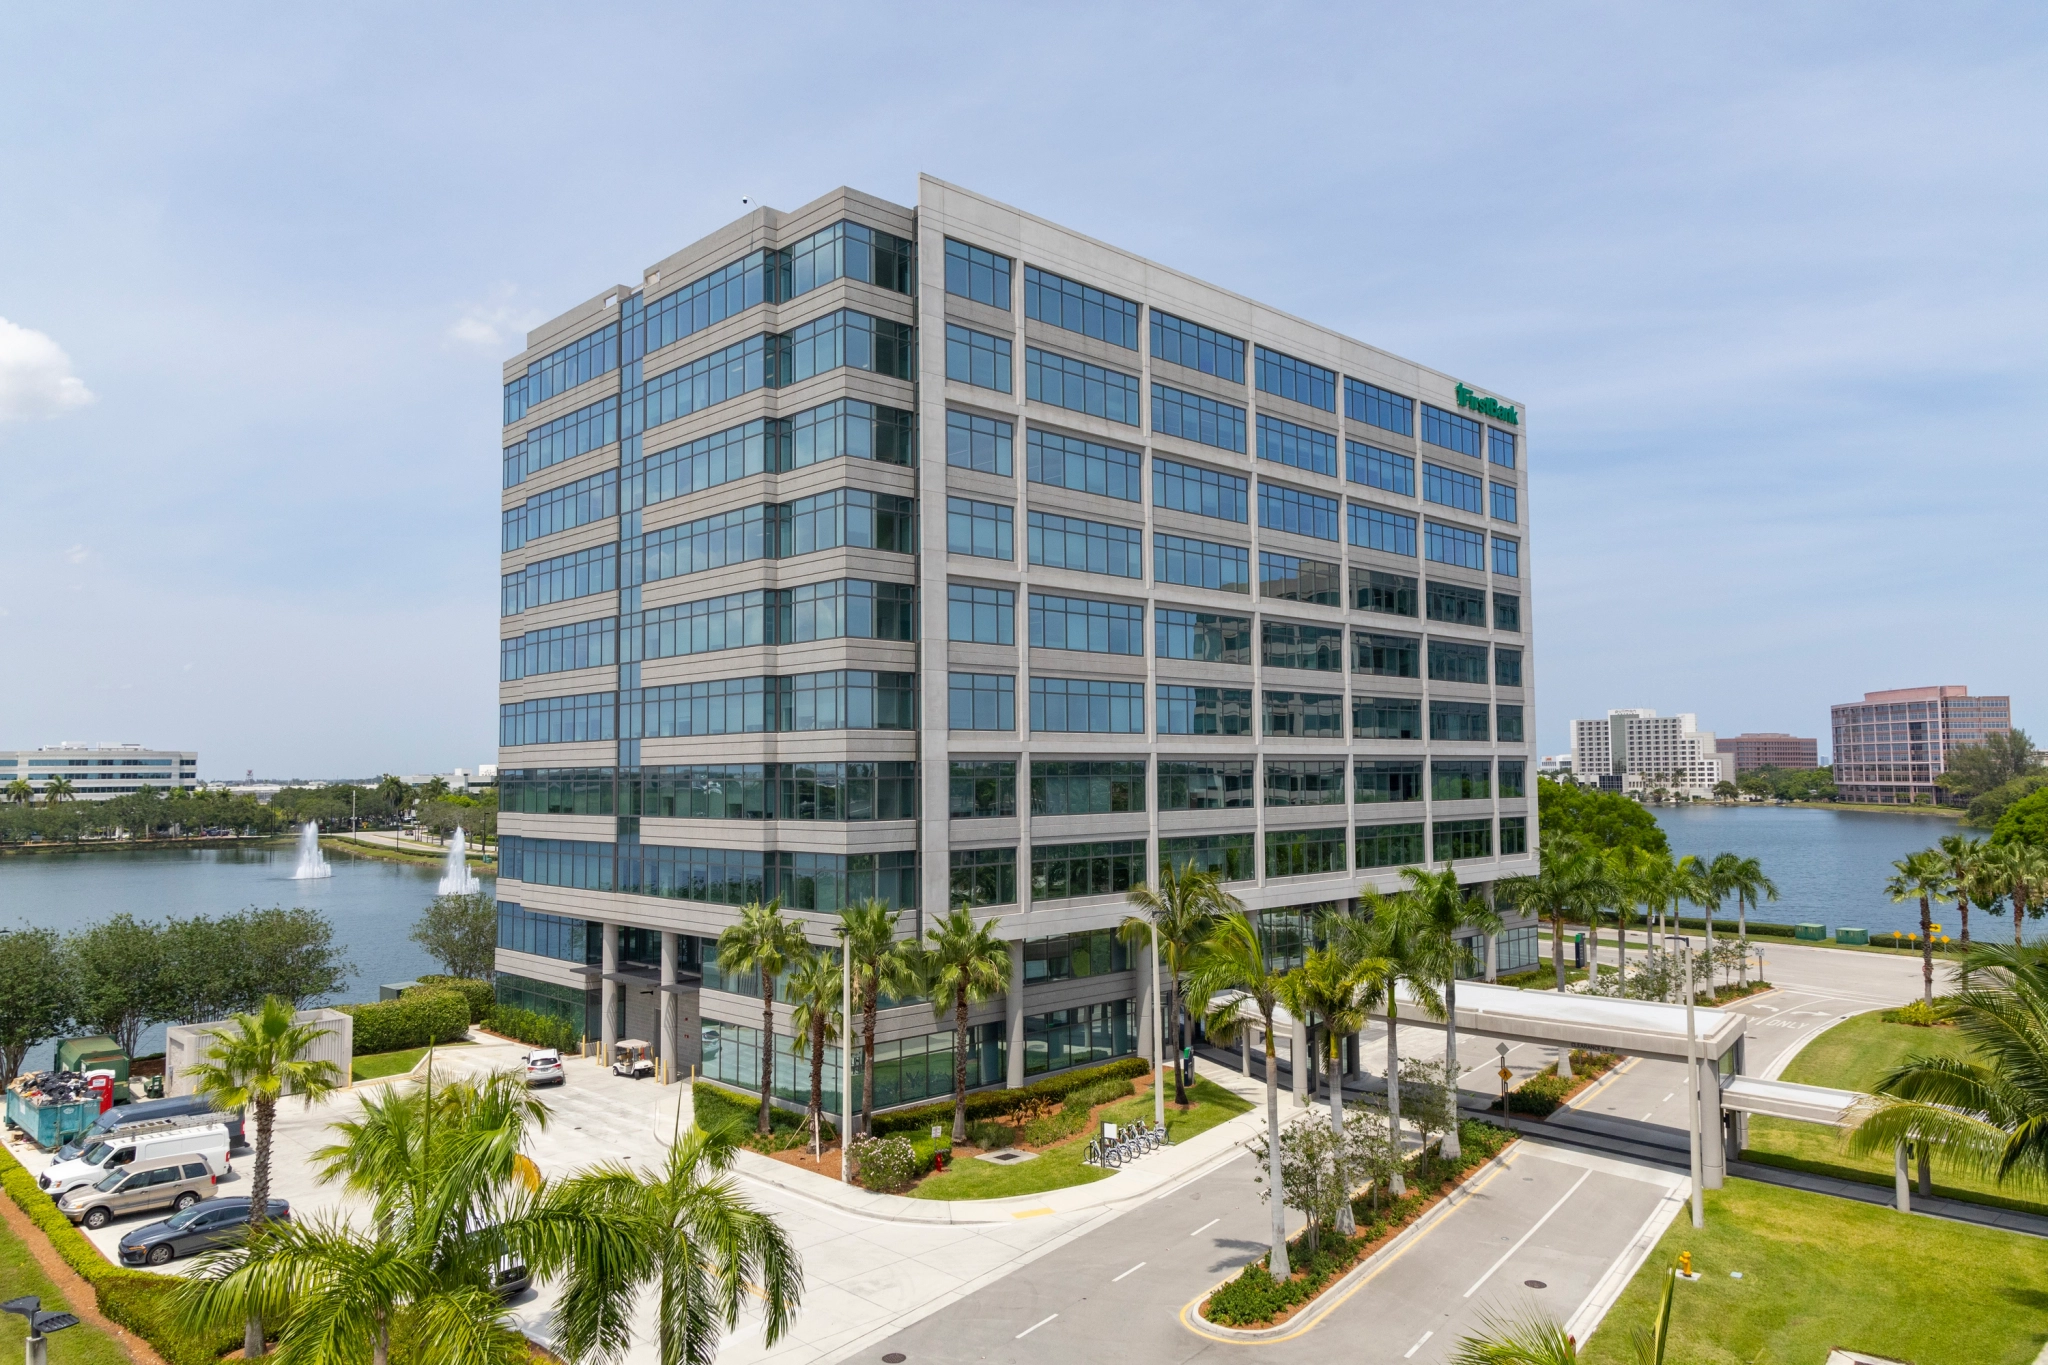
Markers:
point(259, 1208)
point(1621, 928)
point(1963, 909)
point(1346, 1223)
point(818, 1088)
point(1400, 1185)
point(1708, 911)
point(2019, 908)
point(960, 1064)
point(1449, 1146)
point(1742, 932)
point(1926, 951)
point(380, 1343)
point(1180, 1029)
point(1277, 1258)
point(1557, 946)
point(868, 1008)
point(767, 1049)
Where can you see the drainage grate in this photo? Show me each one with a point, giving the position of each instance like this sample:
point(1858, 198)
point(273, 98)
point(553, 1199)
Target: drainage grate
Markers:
point(1006, 1156)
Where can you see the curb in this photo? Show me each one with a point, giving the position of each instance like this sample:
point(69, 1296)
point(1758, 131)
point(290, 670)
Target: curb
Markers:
point(1352, 1280)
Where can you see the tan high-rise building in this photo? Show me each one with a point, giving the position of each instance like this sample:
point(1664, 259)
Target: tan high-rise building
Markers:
point(1889, 747)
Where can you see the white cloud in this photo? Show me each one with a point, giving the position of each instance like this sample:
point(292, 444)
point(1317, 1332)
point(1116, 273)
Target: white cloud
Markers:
point(78, 554)
point(35, 376)
point(493, 323)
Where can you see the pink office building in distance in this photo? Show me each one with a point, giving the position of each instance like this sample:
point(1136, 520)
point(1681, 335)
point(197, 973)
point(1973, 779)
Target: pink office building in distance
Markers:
point(1889, 747)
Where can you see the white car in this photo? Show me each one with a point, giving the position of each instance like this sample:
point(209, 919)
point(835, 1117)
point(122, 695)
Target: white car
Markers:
point(544, 1067)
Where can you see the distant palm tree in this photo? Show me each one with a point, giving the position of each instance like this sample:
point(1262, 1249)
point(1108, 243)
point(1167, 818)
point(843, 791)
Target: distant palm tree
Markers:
point(2023, 871)
point(58, 789)
point(764, 942)
point(1184, 909)
point(1961, 855)
point(965, 963)
point(883, 964)
point(1392, 942)
point(1233, 963)
point(815, 987)
point(252, 1062)
point(1325, 987)
point(1745, 877)
point(19, 792)
point(1445, 909)
point(1569, 880)
point(1630, 877)
point(1923, 875)
point(1691, 882)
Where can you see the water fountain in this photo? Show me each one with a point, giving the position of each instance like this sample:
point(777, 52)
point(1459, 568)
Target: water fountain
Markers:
point(456, 878)
point(312, 863)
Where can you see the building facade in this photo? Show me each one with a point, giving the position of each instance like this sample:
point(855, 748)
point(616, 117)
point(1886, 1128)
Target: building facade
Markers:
point(1772, 750)
point(100, 772)
point(945, 555)
point(1889, 747)
point(1638, 750)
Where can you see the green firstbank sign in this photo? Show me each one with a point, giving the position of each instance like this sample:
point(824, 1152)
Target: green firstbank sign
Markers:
point(1492, 407)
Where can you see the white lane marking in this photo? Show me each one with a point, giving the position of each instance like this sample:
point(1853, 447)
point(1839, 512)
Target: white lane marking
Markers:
point(1205, 1227)
point(1418, 1345)
point(1033, 1328)
point(1667, 1098)
point(1646, 1118)
point(1583, 1178)
point(1132, 1271)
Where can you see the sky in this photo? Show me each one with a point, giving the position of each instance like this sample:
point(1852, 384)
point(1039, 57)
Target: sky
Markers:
point(1769, 280)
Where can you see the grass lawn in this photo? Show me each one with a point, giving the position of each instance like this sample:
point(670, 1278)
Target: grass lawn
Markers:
point(375, 1065)
point(1061, 1165)
point(80, 1345)
point(1820, 1272)
point(1852, 1056)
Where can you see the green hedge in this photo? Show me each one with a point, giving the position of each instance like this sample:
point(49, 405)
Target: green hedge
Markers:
point(416, 1019)
point(482, 995)
point(530, 1026)
point(1002, 1104)
point(135, 1299)
point(740, 1115)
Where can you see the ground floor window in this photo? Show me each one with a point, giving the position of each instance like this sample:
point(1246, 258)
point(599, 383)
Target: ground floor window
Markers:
point(906, 1070)
point(573, 1004)
point(1075, 1037)
point(1515, 949)
point(1514, 834)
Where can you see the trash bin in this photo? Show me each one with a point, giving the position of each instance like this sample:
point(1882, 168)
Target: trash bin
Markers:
point(1579, 951)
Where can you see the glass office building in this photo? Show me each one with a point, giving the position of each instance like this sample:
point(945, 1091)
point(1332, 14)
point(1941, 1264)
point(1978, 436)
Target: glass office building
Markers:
point(1050, 563)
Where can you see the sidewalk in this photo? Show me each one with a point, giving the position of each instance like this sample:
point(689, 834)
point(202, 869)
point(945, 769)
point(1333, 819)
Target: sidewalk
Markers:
point(1149, 1176)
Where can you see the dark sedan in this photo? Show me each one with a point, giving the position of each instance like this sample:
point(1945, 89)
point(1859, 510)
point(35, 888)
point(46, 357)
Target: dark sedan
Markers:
point(207, 1224)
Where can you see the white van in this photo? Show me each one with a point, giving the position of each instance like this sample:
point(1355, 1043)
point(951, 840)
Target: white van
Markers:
point(134, 1145)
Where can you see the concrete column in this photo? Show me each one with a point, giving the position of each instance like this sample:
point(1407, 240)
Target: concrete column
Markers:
point(1148, 990)
point(1297, 1057)
point(1354, 1053)
point(608, 995)
point(1493, 957)
point(665, 1041)
point(1013, 1019)
point(1713, 1145)
point(1902, 1180)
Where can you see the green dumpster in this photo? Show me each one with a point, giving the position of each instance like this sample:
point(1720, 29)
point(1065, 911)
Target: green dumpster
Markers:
point(1847, 935)
point(96, 1053)
point(1813, 933)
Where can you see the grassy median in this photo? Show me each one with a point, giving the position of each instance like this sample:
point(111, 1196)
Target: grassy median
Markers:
point(372, 1066)
point(20, 1274)
point(1820, 1272)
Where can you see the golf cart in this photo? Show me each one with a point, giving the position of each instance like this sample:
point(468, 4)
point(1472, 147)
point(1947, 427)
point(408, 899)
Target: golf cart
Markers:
point(632, 1058)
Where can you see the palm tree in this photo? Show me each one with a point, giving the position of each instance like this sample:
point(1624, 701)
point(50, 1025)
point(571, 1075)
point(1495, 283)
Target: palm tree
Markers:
point(1924, 875)
point(1445, 909)
point(1184, 910)
point(1987, 1113)
point(763, 941)
point(251, 1063)
point(1962, 855)
point(814, 990)
point(2023, 869)
point(20, 792)
point(1745, 877)
point(965, 963)
point(1631, 873)
point(58, 789)
point(1233, 962)
point(1568, 880)
point(697, 1243)
point(1690, 881)
point(1395, 948)
point(883, 964)
point(1325, 987)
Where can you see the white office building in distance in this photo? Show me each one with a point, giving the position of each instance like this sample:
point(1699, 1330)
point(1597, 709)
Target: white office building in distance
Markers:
point(99, 772)
point(1638, 750)
point(942, 554)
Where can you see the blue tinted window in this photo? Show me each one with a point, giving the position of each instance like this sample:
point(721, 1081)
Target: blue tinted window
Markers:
point(561, 579)
point(1083, 466)
point(709, 380)
point(1452, 489)
point(586, 644)
point(849, 427)
point(1500, 447)
point(1192, 417)
point(561, 509)
point(981, 616)
point(735, 453)
point(1378, 407)
point(1085, 546)
point(981, 701)
point(1453, 545)
point(1092, 627)
point(1289, 509)
point(1450, 431)
point(1374, 528)
point(1080, 308)
point(852, 339)
point(1201, 635)
point(1179, 342)
point(1200, 563)
point(977, 358)
point(973, 273)
point(1087, 706)
point(978, 528)
point(559, 371)
point(1507, 557)
point(1080, 386)
point(1205, 710)
point(981, 443)
point(1204, 492)
point(721, 294)
point(576, 433)
point(1297, 379)
point(1376, 468)
point(1504, 502)
point(1302, 447)
point(559, 720)
point(1289, 578)
point(851, 251)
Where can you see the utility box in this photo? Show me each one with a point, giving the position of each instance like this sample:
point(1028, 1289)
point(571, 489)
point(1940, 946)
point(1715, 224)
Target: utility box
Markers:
point(1812, 933)
point(1848, 935)
point(396, 989)
point(186, 1045)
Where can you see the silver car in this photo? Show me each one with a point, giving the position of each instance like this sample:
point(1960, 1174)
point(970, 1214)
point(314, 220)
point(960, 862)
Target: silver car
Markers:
point(544, 1067)
point(178, 1183)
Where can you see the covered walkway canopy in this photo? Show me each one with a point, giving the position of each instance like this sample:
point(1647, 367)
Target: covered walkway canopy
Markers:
point(1597, 1023)
point(1786, 1100)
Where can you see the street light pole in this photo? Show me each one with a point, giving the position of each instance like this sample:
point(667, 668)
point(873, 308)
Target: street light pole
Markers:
point(1692, 1089)
point(845, 1057)
point(1158, 1035)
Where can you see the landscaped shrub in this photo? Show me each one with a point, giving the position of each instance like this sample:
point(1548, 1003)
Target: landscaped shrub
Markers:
point(885, 1163)
point(539, 1030)
point(1063, 1122)
point(482, 995)
point(1005, 1104)
point(1544, 1093)
point(740, 1116)
point(1101, 1092)
point(1920, 1014)
point(989, 1135)
point(415, 1019)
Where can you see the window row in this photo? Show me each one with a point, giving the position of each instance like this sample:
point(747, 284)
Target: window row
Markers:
point(987, 701)
point(771, 791)
point(987, 788)
point(842, 517)
point(843, 608)
point(723, 876)
point(847, 427)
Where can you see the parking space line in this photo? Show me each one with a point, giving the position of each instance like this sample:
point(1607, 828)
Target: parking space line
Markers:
point(1418, 1345)
point(1132, 1271)
point(1033, 1327)
point(1588, 1175)
point(1205, 1227)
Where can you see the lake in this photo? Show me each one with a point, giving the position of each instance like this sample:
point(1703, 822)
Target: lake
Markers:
point(372, 904)
point(1830, 865)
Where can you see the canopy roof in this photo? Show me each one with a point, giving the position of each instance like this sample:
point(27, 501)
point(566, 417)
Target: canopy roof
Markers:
point(1785, 1100)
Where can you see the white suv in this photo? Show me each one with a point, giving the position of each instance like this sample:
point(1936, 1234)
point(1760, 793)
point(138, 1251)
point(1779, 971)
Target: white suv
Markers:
point(544, 1067)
